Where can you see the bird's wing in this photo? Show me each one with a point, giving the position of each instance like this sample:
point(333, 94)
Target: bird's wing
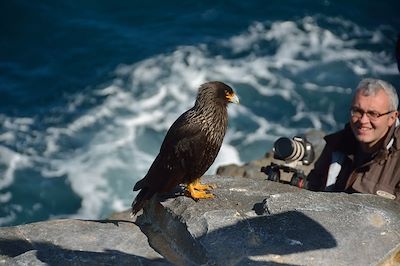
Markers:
point(176, 152)
point(182, 134)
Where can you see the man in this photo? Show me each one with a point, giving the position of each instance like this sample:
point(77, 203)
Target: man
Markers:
point(365, 156)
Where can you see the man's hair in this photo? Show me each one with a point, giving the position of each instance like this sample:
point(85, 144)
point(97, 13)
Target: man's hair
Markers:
point(370, 86)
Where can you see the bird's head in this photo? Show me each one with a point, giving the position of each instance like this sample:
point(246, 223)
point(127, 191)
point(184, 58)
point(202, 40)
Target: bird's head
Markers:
point(217, 92)
point(229, 95)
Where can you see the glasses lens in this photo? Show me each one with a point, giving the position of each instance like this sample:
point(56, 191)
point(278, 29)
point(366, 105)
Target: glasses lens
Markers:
point(373, 115)
point(355, 112)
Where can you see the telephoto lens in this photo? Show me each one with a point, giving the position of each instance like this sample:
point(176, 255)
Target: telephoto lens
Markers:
point(288, 150)
point(297, 150)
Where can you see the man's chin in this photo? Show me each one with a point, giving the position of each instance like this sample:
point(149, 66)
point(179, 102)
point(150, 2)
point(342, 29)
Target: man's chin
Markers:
point(363, 138)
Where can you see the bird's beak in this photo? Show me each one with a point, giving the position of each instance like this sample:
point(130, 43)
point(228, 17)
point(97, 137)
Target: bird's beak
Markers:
point(233, 98)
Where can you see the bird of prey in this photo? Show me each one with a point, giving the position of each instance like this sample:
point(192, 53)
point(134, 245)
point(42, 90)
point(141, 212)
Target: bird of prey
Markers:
point(189, 147)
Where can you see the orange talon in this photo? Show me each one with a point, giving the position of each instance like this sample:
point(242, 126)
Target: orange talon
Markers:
point(201, 187)
point(195, 194)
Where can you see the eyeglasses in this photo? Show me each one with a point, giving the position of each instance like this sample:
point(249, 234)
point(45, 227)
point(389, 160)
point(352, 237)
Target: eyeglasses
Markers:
point(372, 115)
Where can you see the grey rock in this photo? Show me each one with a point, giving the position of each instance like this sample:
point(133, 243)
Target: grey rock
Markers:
point(251, 221)
point(259, 222)
point(77, 242)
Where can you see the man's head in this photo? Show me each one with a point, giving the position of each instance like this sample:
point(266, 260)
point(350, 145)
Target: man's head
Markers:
point(373, 112)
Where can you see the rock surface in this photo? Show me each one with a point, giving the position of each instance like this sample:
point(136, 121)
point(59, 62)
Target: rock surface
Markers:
point(251, 221)
point(259, 222)
point(77, 242)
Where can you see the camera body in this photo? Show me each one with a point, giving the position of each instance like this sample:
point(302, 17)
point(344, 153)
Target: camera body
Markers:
point(290, 155)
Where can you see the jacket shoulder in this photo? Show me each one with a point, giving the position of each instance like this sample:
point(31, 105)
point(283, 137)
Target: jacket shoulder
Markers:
point(396, 137)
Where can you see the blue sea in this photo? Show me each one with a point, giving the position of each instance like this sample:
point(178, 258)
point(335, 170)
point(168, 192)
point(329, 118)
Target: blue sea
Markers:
point(88, 89)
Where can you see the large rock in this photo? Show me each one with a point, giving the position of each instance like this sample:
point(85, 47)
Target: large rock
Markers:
point(251, 221)
point(259, 222)
point(77, 242)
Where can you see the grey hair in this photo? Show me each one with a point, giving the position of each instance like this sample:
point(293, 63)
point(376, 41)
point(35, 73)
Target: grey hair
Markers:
point(370, 86)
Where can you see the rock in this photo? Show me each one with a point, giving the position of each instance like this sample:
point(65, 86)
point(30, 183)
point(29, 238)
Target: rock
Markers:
point(251, 221)
point(77, 242)
point(259, 222)
point(231, 170)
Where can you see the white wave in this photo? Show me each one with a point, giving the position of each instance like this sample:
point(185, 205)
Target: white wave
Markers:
point(20, 124)
point(4, 198)
point(12, 161)
point(7, 137)
point(337, 89)
point(8, 218)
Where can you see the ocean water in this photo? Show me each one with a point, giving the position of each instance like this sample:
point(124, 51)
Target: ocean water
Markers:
point(88, 89)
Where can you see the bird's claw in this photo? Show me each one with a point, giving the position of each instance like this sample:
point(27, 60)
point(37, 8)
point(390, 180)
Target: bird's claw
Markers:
point(197, 191)
point(202, 187)
point(196, 195)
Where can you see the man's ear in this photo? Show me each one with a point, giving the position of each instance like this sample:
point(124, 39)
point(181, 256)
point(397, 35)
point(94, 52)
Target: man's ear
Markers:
point(393, 118)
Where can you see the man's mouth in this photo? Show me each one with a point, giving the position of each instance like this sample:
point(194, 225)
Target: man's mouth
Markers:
point(363, 130)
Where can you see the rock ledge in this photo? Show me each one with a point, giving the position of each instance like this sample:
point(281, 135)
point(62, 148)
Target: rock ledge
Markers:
point(251, 221)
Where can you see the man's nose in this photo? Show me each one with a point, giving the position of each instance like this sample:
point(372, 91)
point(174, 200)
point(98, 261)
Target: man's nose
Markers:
point(364, 118)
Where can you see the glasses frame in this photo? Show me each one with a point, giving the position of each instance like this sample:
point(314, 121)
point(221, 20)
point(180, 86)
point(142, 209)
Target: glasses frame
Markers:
point(372, 115)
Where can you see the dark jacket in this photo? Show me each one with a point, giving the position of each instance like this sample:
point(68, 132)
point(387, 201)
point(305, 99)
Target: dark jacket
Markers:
point(337, 170)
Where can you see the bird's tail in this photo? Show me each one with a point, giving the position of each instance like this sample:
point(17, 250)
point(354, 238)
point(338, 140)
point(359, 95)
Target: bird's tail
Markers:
point(140, 200)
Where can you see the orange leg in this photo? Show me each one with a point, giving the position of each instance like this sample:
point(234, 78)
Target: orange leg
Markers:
point(201, 187)
point(196, 190)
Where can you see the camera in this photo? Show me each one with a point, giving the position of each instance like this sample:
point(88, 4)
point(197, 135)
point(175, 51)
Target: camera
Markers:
point(291, 155)
point(294, 151)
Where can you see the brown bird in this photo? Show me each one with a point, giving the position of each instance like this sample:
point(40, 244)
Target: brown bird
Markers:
point(190, 146)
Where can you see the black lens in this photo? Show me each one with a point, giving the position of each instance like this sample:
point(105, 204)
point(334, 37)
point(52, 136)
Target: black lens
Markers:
point(283, 147)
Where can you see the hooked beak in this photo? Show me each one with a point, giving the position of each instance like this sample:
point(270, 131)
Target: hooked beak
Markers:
point(233, 98)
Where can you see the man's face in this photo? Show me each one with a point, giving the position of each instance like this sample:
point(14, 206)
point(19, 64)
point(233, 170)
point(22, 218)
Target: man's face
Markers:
point(366, 130)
